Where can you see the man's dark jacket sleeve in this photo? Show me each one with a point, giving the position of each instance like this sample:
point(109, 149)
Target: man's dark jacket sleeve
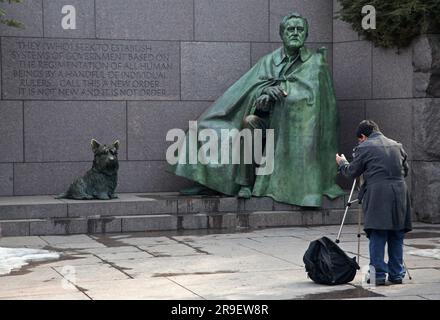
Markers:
point(356, 167)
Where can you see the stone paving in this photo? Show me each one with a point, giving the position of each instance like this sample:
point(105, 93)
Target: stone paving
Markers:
point(256, 264)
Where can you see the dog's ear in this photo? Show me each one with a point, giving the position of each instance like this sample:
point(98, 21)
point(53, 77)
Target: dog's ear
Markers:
point(116, 144)
point(95, 145)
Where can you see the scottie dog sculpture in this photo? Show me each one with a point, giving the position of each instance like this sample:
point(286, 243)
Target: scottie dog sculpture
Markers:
point(100, 181)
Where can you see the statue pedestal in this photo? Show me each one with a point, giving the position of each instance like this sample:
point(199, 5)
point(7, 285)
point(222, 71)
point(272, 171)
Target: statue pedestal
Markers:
point(159, 212)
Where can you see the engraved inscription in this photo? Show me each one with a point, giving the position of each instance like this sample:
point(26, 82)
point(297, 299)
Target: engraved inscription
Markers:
point(58, 69)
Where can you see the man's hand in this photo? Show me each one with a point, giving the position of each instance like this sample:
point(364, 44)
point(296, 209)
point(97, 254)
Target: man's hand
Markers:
point(340, 158)
point(275, 93)
point(263, 103)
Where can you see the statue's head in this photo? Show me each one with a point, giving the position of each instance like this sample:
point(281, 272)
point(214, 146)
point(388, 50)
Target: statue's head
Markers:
point(294, 30)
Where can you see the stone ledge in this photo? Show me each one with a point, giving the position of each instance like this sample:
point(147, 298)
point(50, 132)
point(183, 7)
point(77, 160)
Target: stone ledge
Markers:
point(131, 204)
point(44, 215)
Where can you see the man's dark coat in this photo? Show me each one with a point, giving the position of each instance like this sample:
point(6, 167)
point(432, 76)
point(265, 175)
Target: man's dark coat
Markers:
point(384, 194)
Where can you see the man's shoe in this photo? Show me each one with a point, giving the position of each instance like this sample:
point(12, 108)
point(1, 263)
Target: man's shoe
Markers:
point(379, 282)
point(395, 281)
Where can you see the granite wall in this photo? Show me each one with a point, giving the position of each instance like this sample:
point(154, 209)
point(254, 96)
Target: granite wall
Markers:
point(399, 90)
point(130, 71)
point(426, 119)
point(133, 69)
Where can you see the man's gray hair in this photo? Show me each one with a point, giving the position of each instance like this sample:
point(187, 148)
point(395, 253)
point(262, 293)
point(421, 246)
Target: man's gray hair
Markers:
point(290, 16)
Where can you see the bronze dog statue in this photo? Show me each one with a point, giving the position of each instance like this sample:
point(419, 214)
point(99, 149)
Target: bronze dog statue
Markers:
point(101, 180)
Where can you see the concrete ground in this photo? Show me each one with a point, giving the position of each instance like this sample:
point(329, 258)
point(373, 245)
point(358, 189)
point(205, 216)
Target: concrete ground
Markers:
point(258, 264)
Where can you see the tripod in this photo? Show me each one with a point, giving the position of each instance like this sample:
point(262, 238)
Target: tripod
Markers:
point(348, 205)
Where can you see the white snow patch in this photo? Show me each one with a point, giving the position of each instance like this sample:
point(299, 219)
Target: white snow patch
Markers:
point(429, 253)
point(15, 258)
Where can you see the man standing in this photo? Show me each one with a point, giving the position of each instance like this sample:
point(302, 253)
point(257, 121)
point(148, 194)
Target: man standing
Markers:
point(384, 197)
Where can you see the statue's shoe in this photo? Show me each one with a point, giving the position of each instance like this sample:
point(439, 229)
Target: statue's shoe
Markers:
point(245, 192)
point(197, 190)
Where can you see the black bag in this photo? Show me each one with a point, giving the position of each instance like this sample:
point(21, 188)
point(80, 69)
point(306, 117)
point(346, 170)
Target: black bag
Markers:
point(326, 263)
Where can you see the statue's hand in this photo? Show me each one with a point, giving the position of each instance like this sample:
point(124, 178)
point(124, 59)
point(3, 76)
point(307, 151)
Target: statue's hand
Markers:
point(263, 103)
point(275, 93)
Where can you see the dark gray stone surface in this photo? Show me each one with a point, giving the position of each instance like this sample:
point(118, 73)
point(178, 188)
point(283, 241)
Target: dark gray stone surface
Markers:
point(351, 113)
point(335, 217)
point(421, 82)
point(79, 208)
point(14, 228)
point(138, 19)
point(244, 20)
point(394, 120)
point(149, 122)
point(279, 206)
point(408, 181)
point(11, 131)
point(62, 130)
point(198, 205)
point(208, 69)
point(342, 31)
point(426, 61)
point(85, 18)
point(434, 85)
point(58, 226)
point(32, 208)
point(311, 217)
point(422, 54)
point(275, 219)
point(104, 225)
point(6, 179)
point(425, 195)
point(149, 223)
point(260, 49)
point(194, 221)
point(337, 203)
point(231, 204)
point(318, 14)
point(129, 206)
point(223, 221)
point(28, 12)
point(148, 176)
point(392, 73)
point(46, 178)
point(258, 204)
point(426, 119)
point(71, 69)
point(352, 70)
point(330, 217)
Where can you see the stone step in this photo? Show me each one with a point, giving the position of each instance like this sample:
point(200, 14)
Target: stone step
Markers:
point(231, 221)
point(45, 215)
point(130, 204)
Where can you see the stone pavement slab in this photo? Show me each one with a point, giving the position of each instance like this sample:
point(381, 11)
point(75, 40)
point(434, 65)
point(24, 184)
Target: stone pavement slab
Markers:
point(254, 264)
point(171, 250)
point(20, 242)
point(116, 256)
point(145, 289)
point(91, 273)
point(73, 260)
point(266, 285)
point(431, 296)
point(392, 298)
point(76, 295)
